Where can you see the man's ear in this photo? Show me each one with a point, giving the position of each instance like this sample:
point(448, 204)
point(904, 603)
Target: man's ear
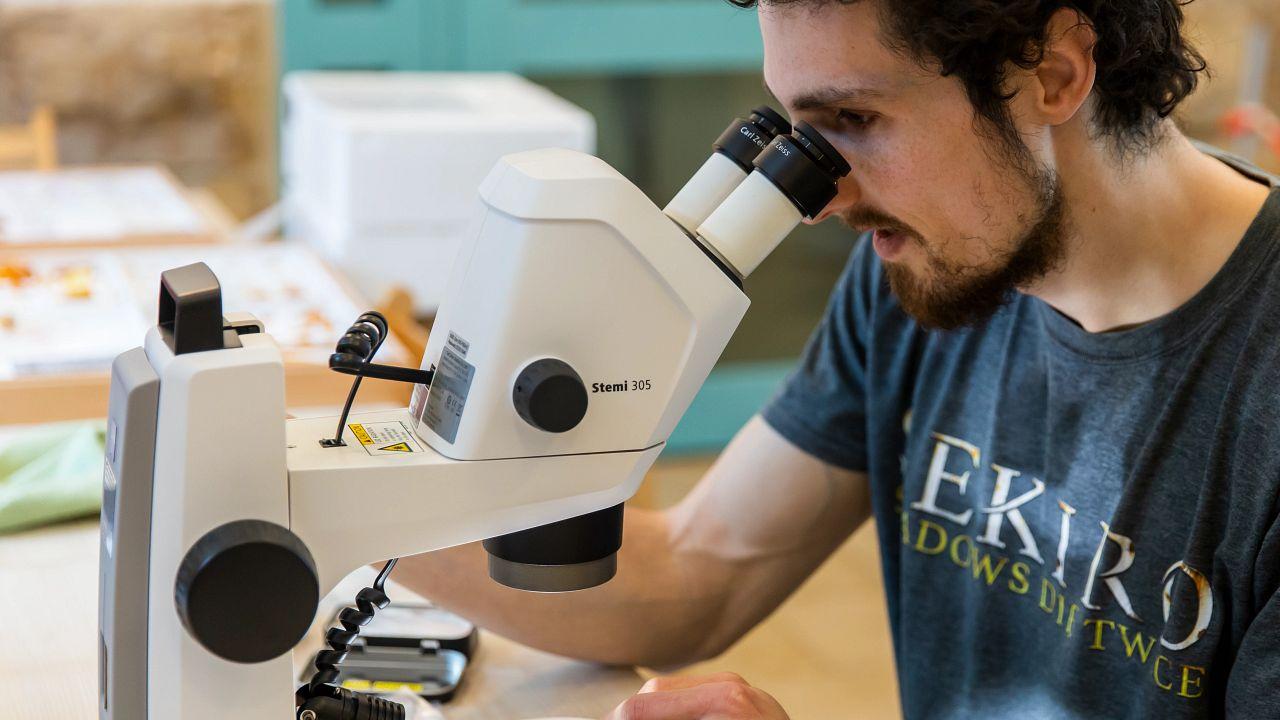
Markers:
point(1064, 78)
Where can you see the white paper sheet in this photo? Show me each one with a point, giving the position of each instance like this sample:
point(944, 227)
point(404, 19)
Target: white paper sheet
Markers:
point(76, 310)
point(93, 204)
point(64, 313)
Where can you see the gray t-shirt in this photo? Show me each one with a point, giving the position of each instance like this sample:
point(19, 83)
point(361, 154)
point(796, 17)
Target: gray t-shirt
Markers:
point(1072, 525)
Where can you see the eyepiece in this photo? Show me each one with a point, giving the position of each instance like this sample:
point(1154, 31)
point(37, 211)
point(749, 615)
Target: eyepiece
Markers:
point(794, 177)
point(805, 167)
point(743, 141)
point(770, 120)
point(730, 163)
point(820, 150)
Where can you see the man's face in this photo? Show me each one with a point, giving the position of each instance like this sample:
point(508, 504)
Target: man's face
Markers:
point(961, 216)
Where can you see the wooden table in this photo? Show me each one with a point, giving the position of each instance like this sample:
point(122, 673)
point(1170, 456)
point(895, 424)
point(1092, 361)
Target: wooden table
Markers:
point(48, 622)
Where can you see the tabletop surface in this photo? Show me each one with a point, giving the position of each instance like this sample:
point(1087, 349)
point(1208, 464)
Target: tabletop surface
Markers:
point(48, 607)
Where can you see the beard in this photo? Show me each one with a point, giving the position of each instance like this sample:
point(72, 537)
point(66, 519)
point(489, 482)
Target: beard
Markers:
point(955, 295)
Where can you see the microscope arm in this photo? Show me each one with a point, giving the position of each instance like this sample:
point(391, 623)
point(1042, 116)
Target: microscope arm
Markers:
point(352, 508)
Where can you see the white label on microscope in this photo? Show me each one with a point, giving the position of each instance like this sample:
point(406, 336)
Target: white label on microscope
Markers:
point(448, 395)
point(457, 344)
point(385, 438)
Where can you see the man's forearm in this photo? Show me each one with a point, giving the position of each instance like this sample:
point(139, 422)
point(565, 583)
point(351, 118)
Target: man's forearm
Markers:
point(691, 579)
point(652, 613)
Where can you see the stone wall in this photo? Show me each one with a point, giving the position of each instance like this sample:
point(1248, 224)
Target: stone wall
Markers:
point(190, 83)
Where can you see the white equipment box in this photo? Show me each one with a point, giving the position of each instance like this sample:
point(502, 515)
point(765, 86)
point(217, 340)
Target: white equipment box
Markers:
point(381, 169)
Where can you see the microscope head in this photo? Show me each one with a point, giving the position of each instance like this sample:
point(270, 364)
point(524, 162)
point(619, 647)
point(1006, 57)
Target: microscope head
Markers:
point(581, 319)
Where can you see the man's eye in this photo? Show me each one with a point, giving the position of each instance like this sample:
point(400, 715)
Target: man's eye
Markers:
point(852, 120)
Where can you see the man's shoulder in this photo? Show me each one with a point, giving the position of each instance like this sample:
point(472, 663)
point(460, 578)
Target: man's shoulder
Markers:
point(1240, 164)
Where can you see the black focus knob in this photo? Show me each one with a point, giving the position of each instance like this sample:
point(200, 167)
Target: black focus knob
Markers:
point(247, 590)
point(550, 395)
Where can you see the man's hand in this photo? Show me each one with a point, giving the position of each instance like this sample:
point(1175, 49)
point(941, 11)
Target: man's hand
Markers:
point(722, 696)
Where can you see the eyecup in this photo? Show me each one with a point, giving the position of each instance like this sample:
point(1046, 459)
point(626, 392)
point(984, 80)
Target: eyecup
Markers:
point(822, 151)
point(771, 120)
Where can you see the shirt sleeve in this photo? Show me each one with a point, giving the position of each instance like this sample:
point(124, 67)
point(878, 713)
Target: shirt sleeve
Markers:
point(821, 407)
point(1255, 673)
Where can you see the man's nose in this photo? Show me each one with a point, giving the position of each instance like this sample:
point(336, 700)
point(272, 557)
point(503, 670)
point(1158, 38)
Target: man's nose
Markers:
point(848, 193)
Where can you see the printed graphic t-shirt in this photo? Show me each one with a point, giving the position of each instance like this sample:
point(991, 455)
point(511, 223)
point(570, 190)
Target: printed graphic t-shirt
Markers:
point(1072, 524)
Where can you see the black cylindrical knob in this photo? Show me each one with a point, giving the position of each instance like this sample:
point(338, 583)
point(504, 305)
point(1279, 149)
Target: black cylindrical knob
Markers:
point(572, 554)
point(550, 395)
point(247, 590)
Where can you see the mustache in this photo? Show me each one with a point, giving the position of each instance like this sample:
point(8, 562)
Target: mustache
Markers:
point(863, 219)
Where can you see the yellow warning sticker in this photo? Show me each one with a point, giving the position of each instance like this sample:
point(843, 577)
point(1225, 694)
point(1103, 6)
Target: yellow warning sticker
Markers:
point(357, 685)
point(393, 685)
point(383, 686)
point(361, 434)
point(385, 438)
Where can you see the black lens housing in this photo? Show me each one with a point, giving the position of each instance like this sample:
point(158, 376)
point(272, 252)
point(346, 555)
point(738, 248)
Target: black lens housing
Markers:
point(804, 167)
point(744, 140)
point(572, 554)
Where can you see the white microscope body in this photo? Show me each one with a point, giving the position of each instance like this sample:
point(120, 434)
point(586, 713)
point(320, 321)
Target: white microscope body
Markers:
point(568, 261)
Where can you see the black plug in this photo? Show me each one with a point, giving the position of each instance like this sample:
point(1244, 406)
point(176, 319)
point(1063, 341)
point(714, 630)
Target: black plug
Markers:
point(335, 703)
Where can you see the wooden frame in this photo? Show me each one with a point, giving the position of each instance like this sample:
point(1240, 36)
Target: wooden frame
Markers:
point(33, 146)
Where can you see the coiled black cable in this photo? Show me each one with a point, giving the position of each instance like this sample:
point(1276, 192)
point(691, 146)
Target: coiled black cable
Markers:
point(368, 602)
point(354, 356)
point(355, 350)
point(322, 697)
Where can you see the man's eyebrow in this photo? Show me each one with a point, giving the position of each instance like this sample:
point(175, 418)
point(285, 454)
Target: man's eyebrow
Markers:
point(828, 97)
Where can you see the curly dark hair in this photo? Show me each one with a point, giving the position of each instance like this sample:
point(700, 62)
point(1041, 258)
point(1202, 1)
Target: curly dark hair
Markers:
point(1145, 65)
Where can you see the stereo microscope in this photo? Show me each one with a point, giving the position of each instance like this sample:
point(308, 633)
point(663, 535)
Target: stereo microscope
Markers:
point(579, 321)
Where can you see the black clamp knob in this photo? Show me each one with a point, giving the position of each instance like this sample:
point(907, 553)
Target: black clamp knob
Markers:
point(247, 590)
point(550, 395)
point(190, 317)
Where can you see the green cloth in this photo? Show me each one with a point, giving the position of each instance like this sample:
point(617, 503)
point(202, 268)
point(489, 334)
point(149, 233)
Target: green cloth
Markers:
point(50, 473)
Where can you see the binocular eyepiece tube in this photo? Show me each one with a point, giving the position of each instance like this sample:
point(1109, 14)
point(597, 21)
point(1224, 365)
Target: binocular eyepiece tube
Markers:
point(795, 177)
point(762, 178)
point(729, 164)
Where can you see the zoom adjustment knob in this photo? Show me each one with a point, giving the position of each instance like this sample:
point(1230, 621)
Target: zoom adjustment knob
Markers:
point(550, 395)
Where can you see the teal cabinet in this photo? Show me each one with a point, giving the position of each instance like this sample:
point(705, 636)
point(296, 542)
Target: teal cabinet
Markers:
point(359, 35)
point(526, 36)
point(615, 36)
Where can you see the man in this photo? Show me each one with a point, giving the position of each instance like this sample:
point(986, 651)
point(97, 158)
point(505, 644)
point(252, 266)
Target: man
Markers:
point(1050, 373)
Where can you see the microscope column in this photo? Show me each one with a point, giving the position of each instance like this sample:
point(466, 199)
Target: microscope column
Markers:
point(220, 457)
